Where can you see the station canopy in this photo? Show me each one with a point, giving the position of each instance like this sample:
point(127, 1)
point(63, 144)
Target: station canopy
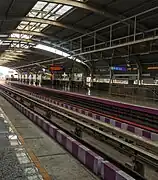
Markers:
point(98, 33)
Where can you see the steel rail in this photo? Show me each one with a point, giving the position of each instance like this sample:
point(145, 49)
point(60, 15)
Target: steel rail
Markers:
point(95, 128)
point(98, 113)
point(142, 119)
point(100, 153)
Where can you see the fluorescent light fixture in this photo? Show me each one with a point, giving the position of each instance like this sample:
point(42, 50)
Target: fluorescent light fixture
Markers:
point(153, 68)
point(8, 50)
point(5, 43)
point(19, 51)
point(3, 35)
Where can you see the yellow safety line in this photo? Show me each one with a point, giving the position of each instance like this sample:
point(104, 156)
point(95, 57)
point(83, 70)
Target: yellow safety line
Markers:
point(35, 160)
point(33, 157)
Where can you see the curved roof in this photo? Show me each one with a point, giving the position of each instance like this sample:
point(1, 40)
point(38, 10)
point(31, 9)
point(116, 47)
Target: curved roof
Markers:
point(91, 32)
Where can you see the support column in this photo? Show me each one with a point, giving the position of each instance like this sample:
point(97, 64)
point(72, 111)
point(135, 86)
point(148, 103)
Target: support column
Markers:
point(139, 72)
point(39, 79)
point(31, 76)
point(22, 77)
point(34, 79)
point(111, 72)
point(27, 77)
point(111, 80)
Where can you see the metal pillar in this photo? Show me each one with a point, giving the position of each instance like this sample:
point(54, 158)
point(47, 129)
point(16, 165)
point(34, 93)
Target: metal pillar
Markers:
point(36, 78)
point(135, 27)
point(110, 36)
point(139, 72)
point(111, 73)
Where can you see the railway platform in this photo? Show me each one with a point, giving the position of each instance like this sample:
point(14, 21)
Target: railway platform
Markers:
point(106, 95)
point(16, 161)
point(14, 96)
point(28, 153)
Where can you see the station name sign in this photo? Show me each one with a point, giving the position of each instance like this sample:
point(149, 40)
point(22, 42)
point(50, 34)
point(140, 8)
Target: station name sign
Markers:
point(56, 68)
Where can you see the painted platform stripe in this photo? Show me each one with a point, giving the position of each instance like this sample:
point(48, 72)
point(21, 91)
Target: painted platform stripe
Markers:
point(34, 118)
point(83, 112)
point(39, 121)
point(124, 126)
point(82, 153)
point(146, 134)
point(107, 120)
point(69, 144)
point(98, 117)
point(131, 128)
point(59, 136)
point(112, 122)
point(45, 125)
point(30, 115)
point(123, 176)
point(52, 131)
point(93, 162)
point(102, 118)
point(89, 114)
point(118, 124)
point(108, 171)
point(154, 137)
point(73, 108)
point(93, 116)
point(75, 146)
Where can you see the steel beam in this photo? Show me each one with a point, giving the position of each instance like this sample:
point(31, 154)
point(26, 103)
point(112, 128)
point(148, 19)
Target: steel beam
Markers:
point(11, 56)
point(33, 33)
point(92, 8)
point(15, 39)
point(34, 51)
point(98, 50)
point(19, 40)
point(44, 21)
point(8, 59)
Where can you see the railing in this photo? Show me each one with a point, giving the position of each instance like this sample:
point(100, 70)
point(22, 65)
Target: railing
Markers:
point(143, 95)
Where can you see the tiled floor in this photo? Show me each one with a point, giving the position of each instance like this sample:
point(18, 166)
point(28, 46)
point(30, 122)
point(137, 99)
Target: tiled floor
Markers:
point(15, 162)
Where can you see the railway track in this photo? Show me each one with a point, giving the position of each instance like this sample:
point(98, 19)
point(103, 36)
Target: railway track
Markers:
point(138, 148)
point(137, 129)
point(143, 119)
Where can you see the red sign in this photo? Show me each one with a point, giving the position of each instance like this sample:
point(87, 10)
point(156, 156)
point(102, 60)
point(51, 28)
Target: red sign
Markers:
point(56, 68)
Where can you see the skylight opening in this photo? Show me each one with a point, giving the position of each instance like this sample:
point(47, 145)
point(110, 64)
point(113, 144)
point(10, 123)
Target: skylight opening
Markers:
point(39, 5)
point(21, 36)
point(64, 9)
point(50, 7)
point(45, 11)
point(58, 52)
point(48, 11)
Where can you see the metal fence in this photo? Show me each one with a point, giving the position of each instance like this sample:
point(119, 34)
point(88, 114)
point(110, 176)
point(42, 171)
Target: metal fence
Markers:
point(143, 95)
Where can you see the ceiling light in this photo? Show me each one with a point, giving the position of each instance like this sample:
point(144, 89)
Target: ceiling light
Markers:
point(19, 51)
point(8, 50)
point(83, 1)
point(3, 35)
